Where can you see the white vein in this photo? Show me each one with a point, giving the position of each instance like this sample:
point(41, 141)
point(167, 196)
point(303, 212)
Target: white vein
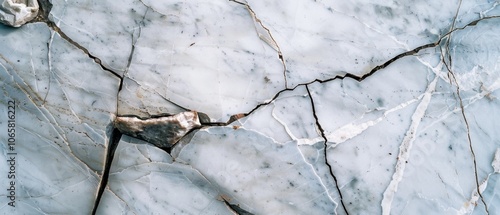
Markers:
point(405, 148)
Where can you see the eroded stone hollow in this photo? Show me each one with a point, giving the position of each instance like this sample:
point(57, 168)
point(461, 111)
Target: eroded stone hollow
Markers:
point(18, 12)
point(162, 132)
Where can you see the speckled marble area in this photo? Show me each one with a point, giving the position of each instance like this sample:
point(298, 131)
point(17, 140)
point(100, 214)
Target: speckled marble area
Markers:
point(250, 107)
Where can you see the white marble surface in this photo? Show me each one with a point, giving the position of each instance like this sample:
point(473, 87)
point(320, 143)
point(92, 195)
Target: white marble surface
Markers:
point(315, 107)
point(62, 116)
point(146, 180)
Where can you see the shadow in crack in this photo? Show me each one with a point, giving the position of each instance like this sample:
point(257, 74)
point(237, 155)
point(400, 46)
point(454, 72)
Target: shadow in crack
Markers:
point(114, 139)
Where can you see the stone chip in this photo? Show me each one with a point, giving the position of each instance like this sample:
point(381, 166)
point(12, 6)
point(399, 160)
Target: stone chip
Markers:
point(162, 132)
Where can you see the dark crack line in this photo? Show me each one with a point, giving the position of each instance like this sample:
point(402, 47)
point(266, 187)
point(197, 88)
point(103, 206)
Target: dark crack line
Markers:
point(322, 131)
point(278, 49)
point(44, 10)
point(470, 145)
point(349, 75)
point(451, 77)
point(235, 208)
point(132, 50)
point(337, 77)
point(114, 139)
point(97, 60)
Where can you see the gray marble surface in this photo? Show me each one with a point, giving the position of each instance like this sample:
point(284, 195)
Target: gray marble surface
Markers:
point(250, 107)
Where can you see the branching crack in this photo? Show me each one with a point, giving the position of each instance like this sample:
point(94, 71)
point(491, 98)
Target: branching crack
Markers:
point(452, 76)
point(116, 134)
point(322, 131)
point(447, 61)
point(352, 76)
point(43, 16)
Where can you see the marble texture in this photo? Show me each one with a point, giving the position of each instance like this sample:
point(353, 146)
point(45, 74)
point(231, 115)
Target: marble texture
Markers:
point(146, 180)
point(62, 116)
point(253, 107)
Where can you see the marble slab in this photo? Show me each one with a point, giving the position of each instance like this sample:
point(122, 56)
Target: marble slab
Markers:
point(250, 107)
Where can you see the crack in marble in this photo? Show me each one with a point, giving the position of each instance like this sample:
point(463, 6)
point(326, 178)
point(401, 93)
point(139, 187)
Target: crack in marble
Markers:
point(122, 200)
point(64, 138)
point(235, 208)
point(325, 140)
point(132, 50)
point(53, 122)
point(476, 194)
point(462, 110)
point(96, 59)
point(149, 7)
point(469, 141)
point(272, 42)
point(451, 76)
point(157, 93)
point(53, 26)
point(44, 17)
point(43, 11)
point(347, 75)
point(114, 139)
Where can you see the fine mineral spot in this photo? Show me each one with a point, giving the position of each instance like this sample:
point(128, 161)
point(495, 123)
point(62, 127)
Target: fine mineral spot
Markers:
point(162, 132)
point(18, 12)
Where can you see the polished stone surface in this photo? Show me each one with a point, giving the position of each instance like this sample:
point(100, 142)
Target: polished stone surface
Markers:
point(253, 107)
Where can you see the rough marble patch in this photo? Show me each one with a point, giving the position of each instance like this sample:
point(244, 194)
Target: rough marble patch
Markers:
point(271, 179)
point(16, 13)
point(144, 180)
point(62, 115)
point(162, 132)
point(203, 56)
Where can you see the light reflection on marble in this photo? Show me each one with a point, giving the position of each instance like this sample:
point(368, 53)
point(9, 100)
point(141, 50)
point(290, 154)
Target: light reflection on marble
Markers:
point(315, 132)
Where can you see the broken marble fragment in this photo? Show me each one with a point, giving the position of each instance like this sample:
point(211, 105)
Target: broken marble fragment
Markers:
point(162, 132)
point(17, 12)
